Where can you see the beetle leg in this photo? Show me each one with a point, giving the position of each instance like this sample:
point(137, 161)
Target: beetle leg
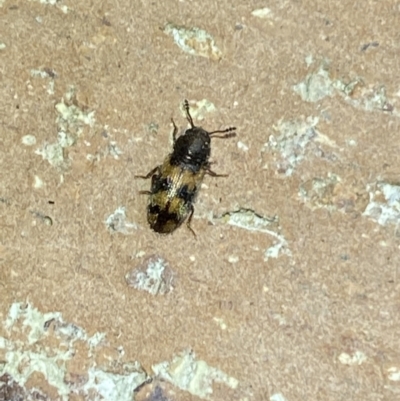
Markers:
point(175, 130)
point(147, 176)
point(190, 220)
point(212, 173)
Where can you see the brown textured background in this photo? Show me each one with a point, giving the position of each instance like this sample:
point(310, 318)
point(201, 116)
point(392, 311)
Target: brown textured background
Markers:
point(287, 319)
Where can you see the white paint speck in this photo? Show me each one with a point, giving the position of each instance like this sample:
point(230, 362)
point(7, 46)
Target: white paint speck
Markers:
point(262, 12)
point(233, 259)
point(37, 182)
point(309, 60)
point(394, 373)
point(39, 73)
point(220, 323)
point(277, 397)
point(242, 146)
point(351, 142)
point(357, 358)
point(29, 140)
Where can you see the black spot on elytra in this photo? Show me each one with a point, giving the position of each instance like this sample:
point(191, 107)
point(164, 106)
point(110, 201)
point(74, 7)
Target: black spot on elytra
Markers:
point(185, 194)
point(166, 221)
point(160, 184)
point(164, 215)
point(154, 209)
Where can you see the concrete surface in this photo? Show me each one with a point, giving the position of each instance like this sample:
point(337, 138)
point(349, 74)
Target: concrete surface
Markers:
point(290, 290)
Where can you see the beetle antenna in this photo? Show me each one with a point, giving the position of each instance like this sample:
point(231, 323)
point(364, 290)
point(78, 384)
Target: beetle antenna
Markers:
point(228, 131)
point(188, 116)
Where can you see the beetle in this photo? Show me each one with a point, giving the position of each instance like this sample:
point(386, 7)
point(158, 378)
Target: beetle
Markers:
point(176, 182)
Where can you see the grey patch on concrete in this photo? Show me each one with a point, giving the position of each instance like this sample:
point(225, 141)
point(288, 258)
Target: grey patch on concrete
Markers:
point(153, 275)
point(10, 390)
point(54, 154)
point(291, 143)
point(152, 127)
point(249, 220)
point(194, 376)
point(318, 84)
point(366, 97)
point(113, 150)
point(194, 41)
point(70, 124)
point(318, 192)
point(334, 194)
point(113, 386)
point(46, 73)
point(315, 86)
point(43, 343)
point(117, 222)
point(384, 203)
